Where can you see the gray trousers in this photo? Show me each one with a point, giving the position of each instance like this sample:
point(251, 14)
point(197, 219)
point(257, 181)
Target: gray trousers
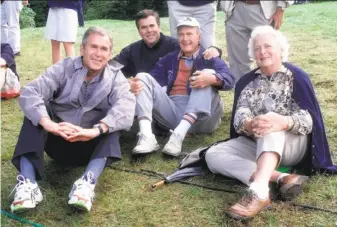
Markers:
point(10, 24)
point(237, 157)
point(153, 102)
point(239, 26)
point(205, 15)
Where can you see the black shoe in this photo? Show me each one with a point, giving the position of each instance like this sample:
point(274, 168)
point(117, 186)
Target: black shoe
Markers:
point(17, 54)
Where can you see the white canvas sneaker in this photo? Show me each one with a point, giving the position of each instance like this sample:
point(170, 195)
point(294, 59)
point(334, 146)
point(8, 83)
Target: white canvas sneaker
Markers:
point(27, 195)
point(145, 144)
point(173, 146)
point(82, 193)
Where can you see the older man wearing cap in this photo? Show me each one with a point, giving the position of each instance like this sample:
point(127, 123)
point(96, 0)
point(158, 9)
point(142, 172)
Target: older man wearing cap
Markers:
point(181, 92)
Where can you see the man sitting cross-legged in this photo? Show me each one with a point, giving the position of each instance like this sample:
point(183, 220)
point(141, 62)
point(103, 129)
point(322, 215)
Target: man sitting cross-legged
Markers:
point(89, 102)
point(181, 93)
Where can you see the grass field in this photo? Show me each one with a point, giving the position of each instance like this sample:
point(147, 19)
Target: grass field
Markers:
point(123, 199)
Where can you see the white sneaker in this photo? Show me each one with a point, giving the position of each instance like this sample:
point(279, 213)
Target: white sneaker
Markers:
point(82, 193)
point(27, 195)
point(145, 144)
point(173, 146)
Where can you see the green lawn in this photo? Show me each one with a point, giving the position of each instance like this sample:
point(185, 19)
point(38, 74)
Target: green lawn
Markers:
point(123, 199)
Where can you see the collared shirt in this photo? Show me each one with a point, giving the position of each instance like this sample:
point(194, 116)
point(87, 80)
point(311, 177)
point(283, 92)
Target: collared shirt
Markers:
point(138, 57)
point(271, 94)
point(184, 72)
point(63, 88)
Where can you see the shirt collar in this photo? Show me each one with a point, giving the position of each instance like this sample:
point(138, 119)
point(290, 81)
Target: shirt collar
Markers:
point(282, 69)
point(194, 56)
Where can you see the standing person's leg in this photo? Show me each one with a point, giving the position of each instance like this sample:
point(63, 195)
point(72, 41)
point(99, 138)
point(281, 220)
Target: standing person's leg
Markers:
point(68, 30)
point(69, 48)
point(56, 51)
point(105, 150)
point(4, 22)
point(237, 37)
point(176, 12)
point(51, 33)
point(238, 30)
point(152, 102)
point(13, 13)
point(206, 16)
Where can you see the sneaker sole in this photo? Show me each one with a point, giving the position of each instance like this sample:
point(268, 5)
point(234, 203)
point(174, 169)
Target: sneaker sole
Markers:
point(20, 208)
point(169, 153)
point(146, 151)
point(79, 206)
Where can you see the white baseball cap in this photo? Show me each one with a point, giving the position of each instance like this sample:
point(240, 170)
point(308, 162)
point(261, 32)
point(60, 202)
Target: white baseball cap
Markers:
point(188, 21)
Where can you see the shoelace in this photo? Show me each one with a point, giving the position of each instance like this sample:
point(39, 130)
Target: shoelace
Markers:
point(21, 183)
point(85, 185)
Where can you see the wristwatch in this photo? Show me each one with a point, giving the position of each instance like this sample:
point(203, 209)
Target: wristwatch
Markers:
point(101, 132)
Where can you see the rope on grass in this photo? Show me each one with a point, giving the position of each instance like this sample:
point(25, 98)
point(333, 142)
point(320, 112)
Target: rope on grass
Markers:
point(152, 173)
point(19, 219)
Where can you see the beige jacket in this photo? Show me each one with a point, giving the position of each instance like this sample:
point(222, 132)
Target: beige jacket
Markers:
point(268, 7)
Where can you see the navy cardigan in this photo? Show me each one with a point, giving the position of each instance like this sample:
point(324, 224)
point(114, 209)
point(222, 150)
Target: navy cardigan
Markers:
point(304, 96)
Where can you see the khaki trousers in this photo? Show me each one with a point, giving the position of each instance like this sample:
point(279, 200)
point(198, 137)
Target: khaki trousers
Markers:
point(237, 158)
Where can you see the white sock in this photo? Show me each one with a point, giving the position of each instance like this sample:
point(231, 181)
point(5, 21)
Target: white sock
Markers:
point(185, 124)
point(261, 190)
point(182, 128)
point(145, 127)
point(281, 176)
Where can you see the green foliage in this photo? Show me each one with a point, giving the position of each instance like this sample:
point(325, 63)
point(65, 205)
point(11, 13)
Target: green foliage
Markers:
point(124, 9)
point(27, 18)
point(41, 9)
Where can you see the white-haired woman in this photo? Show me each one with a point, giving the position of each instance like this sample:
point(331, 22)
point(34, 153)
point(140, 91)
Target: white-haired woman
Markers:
point(276, 121)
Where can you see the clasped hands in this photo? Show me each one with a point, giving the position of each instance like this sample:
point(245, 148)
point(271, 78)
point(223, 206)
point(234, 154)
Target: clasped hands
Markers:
point(68, 131)
point(266, 123)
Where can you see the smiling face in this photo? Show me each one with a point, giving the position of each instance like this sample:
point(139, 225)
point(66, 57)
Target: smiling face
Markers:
point(189, 38)
point(267, 51)
point(149, 30)
point(96, 53)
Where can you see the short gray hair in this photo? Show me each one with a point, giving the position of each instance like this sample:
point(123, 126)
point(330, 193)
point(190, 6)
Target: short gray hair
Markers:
point(268, 30)
point(96, 30)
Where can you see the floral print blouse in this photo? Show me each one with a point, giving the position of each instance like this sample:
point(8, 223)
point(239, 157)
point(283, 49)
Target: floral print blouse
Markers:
point(271, 94)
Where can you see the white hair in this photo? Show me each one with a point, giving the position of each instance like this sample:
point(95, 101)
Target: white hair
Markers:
point(268, 30)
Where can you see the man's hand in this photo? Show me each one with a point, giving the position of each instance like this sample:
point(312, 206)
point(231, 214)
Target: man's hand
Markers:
point(84, 135)
point(210, 53)
point(69, 129)
point(202, 79)
point(135, 85)
point(53, 127)
point(277, 18)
